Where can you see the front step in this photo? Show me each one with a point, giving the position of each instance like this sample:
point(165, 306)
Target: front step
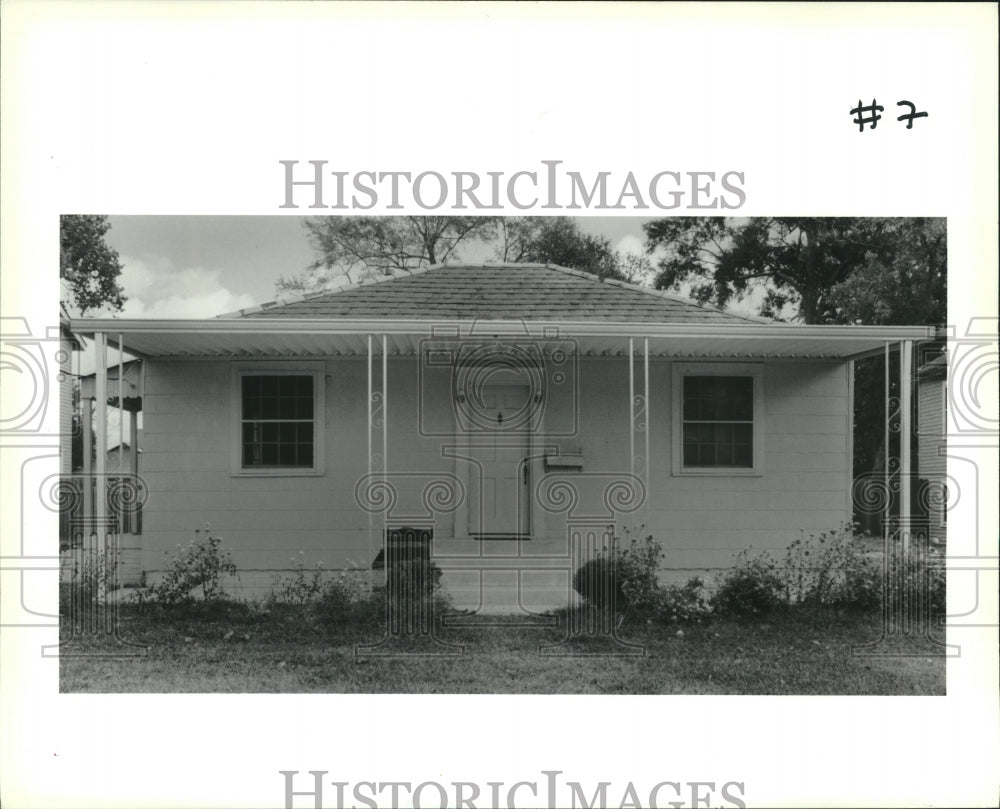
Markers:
point(491, 591)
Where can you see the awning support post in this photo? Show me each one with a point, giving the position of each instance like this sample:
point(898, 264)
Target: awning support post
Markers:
point(638, 422)
point(645, 427)
point(370, 405)
point(119, 517)
point(378, 430)
point(887, 509)
point(87, 528)
point(101, 443)
point(99, 547)
point(905, 442)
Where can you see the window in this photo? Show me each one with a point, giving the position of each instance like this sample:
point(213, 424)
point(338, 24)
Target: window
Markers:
point(718, 421)
point(717, 418)
point(278, 419)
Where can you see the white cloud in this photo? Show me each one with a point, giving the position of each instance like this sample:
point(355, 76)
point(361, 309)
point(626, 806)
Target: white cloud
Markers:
point(155, 287)
point(630, 244)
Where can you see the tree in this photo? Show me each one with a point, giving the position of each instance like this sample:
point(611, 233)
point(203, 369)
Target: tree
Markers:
point(825, 268)
point(559, 240)
point(87, 264)
point(366, 246)
point(906, 283)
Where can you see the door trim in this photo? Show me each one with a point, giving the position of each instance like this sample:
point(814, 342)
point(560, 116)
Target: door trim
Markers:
point(464, 444)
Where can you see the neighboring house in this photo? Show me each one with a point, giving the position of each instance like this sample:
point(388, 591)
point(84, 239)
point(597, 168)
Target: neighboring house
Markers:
point(120, 420)
point(120, 458)
point(513, 412)
point(131, 372)
point(129, 418)
point(932, 432)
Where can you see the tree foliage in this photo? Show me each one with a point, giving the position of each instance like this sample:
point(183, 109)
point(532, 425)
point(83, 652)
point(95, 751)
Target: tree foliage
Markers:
point(559, 240)
point(828, 269)
point(363, 247)
point(88, 266)
point(905, 283)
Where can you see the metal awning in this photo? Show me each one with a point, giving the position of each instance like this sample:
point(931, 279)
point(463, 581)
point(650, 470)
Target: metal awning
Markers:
point(303, 337)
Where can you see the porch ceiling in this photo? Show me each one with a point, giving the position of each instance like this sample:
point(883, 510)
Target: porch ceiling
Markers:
point(218, 338)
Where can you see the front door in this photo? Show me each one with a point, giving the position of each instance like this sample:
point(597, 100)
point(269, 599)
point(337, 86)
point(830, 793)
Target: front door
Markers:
point(499, 445)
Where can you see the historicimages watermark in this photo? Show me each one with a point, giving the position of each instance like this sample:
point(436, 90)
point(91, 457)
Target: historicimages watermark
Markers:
point(316, 789)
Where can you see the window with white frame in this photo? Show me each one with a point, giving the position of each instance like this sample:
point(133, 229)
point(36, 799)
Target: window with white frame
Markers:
point(278, 422)
point(718, 413)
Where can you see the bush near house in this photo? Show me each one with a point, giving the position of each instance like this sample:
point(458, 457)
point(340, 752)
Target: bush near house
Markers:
point(753, 586)
point(195, 572)
point(831, 569)
point(626, 579)
point(86, 582)
point(412, 587)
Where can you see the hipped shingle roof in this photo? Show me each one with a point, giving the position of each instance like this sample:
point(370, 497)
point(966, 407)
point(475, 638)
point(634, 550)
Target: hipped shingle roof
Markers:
point(496, 292)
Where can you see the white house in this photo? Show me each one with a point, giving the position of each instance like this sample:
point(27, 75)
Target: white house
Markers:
point(512, 411)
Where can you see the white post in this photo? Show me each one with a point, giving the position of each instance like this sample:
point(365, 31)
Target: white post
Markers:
point(850, 441)
point(385, 408)
point(631, 408)
point(133, 439)
point(368, 480)
point(887, 512)
point(87, 414)
point(646, 404)
point(100, 461)
point(905, 436)
point(101, 449)
point(385, 448)
point(369, 405)
point(119, 524)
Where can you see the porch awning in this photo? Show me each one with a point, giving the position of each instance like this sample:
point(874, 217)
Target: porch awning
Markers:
point(280, 337)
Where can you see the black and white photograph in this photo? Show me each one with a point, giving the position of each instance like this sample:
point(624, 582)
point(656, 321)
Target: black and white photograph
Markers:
point(524, 455)
point(482, 405)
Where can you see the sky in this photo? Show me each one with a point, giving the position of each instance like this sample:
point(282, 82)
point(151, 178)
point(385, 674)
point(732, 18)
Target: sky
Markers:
point(203, 266)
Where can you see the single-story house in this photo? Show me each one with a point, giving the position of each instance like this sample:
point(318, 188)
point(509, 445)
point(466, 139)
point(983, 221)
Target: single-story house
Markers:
point(511, 412)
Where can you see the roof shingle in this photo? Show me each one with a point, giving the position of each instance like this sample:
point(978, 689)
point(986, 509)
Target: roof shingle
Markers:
point(496, 292)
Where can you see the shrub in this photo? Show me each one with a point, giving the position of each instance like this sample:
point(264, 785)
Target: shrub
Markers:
point(302, 587)
point(413, 579)
point(916, 581)
point(831, 569)
point(597, 582)
point(94, 574)
point(199, 566)
point(349, 598)
point(630, 576)
point(637, 568)
point(753, 586)
point(413, 587)
point(684, 603)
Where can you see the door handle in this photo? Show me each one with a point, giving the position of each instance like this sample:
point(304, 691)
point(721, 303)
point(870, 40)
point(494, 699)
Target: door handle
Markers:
point(524, 471)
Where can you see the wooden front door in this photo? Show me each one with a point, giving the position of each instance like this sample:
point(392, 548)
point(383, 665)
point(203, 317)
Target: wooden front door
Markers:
point(499, 443)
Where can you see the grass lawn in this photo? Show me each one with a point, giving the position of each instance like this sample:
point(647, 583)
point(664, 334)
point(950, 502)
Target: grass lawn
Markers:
point(239, 649)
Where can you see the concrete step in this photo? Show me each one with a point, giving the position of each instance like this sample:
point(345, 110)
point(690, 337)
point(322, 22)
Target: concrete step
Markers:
point(492, 591)
point(445, 550)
